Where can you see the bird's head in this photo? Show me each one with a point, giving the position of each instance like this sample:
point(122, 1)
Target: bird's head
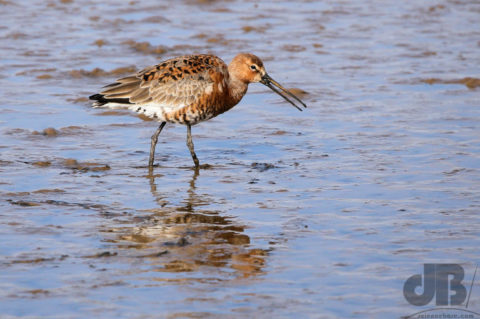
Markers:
point(248, 68)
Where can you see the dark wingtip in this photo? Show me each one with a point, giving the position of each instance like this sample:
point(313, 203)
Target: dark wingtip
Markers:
point(99, 99)
point(96, 97)
point(102, 100)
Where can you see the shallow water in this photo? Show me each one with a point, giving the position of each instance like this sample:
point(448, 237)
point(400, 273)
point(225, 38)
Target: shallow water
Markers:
point(323, 213)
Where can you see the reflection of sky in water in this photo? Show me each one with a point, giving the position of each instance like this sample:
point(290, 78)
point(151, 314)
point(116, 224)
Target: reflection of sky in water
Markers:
point(325, 211)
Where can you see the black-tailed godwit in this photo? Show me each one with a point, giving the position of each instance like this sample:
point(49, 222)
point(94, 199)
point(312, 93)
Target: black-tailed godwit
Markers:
point(187, 90)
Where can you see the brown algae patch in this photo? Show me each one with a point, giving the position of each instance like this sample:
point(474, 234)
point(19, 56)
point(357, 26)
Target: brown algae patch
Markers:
point(72, 163)
point(23, 203)
point(210, 38)
point(72, 130)
point(44, 72)
point(32, 261)
point(428, 53)
point(49, 131)
point(146, 47)
point(293, 48)
point(53, 132)
point(17, 194)
point(179, 266)
point(436, 8)
point(221, 10)
point(414, 53)
point(16, 35)
point(100, 42)
point(102, 254)
point(248, 29)
point(98, 72)
point(38, 292)
point(156, 19)
point(469, 82)
point(44, 76)
point(49, 191)
point(218, 39)
point(42, 163)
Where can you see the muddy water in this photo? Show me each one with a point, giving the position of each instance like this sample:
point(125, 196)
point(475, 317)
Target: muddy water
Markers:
point(323, 213)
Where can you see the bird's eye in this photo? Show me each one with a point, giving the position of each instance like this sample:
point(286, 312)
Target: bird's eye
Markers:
point(253, 67)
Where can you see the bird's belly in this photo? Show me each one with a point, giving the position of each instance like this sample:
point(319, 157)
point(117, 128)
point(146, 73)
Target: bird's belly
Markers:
point(190, 114)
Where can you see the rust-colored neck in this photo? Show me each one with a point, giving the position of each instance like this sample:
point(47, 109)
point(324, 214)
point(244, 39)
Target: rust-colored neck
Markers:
point(237, 84)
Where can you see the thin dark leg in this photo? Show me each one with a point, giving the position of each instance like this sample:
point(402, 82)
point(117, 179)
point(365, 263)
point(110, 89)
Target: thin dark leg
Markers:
point(190, 146)
point(154, 143)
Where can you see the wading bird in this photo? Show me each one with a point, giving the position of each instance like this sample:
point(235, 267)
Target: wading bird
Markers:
point(187, 90)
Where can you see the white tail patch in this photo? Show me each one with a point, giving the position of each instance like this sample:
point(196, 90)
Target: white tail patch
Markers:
point(111, 105)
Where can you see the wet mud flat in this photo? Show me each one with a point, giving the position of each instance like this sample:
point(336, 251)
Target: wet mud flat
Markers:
point(323, 213)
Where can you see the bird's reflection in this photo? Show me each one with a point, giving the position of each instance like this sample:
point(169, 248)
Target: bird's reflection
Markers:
point(188, 238)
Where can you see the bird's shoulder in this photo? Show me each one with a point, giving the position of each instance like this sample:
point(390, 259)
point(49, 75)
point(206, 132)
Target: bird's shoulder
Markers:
point(199, 67)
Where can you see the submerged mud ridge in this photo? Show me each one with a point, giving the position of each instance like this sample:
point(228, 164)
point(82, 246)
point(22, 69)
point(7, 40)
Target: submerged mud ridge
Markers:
point(72, 164)
point(469, 82)
point(146, 47)
point(98, 72)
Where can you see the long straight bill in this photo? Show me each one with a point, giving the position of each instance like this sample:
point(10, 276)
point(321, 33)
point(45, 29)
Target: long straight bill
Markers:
point(273, 85)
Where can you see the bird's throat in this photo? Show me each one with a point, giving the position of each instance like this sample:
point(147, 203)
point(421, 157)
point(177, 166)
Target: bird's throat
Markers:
point(236, 90)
